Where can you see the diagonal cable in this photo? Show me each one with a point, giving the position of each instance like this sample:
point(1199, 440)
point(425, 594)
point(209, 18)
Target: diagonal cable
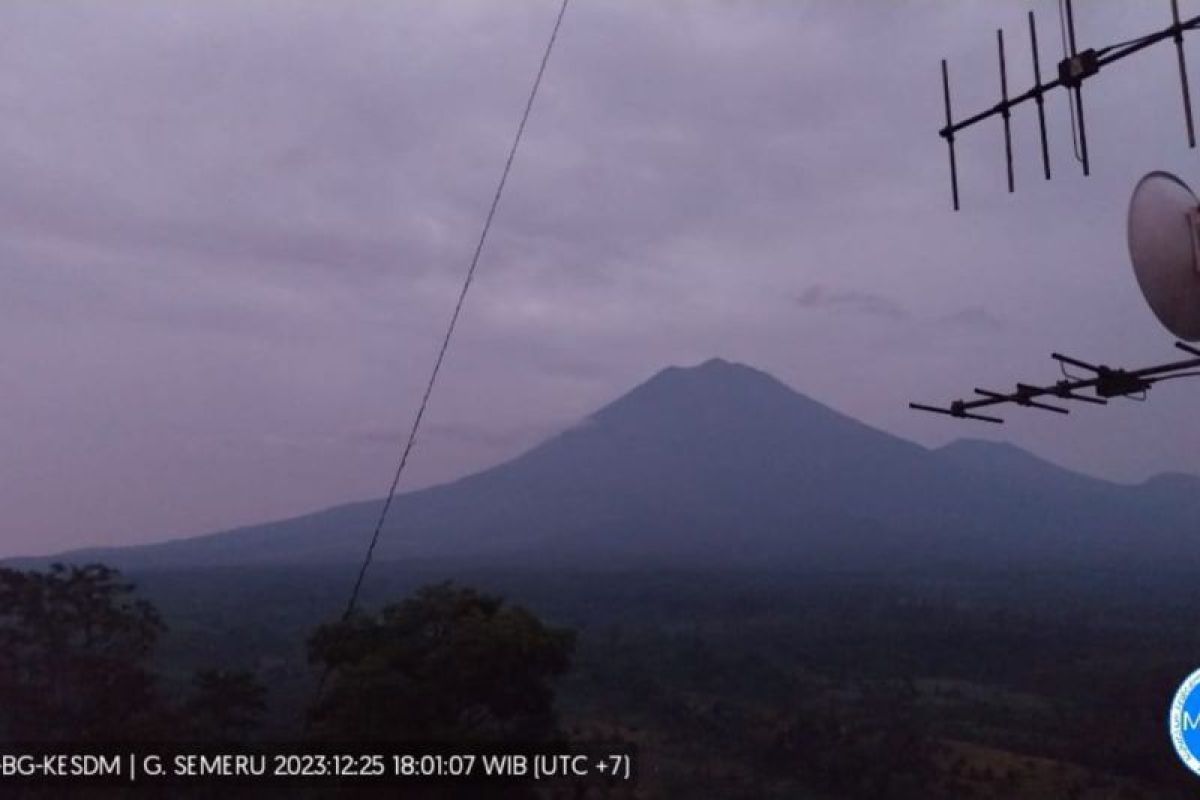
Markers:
point(352, 603)
point(458, 306)
point(454, 320)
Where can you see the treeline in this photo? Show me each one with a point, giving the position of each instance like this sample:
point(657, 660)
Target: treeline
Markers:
point(448, 664)
point(732, 684)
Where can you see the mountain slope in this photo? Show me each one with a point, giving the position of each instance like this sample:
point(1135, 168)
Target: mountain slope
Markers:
point(723, 462)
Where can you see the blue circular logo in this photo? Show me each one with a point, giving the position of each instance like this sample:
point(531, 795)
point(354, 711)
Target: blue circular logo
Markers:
point(1184, 722)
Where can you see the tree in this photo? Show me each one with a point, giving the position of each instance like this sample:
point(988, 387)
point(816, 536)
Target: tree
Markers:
point(448, 664)
point(74, 644)
point(225, 705)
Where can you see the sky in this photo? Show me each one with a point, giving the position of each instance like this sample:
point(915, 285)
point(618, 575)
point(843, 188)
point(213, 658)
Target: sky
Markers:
point(232, 233)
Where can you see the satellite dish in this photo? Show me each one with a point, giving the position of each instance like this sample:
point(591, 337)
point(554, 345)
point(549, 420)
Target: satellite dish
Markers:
point(1164, 245)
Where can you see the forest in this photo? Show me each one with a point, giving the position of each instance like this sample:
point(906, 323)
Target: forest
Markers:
point(938, 683)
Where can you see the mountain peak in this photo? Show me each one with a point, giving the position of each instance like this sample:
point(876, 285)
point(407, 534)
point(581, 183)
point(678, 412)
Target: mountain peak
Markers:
point(716, 363)
point(720, 460)
point(969, 445)
point(1173, 481)
point(719, 395)
point(1003, 460)
point(717, 371)
point(712, 366)
point(714, 381)
point(989, 452)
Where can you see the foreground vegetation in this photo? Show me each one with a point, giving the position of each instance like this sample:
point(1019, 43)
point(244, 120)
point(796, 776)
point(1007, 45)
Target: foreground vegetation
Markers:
point(786, 684)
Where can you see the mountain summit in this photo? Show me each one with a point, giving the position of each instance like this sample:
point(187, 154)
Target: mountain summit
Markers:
point(722, 462)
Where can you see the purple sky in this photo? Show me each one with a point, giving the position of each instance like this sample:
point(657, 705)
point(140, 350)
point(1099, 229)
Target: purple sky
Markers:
point(233, 232)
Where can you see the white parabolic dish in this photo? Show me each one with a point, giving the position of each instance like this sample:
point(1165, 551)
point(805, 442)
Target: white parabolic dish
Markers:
point(1163, 215)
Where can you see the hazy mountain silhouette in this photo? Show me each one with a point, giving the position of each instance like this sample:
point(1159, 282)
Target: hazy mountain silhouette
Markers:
point(722, 462)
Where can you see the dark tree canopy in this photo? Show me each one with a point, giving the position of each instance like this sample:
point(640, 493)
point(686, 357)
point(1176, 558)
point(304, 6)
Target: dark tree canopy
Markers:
point(225, 705)
point(74, 644)
point(448, 664)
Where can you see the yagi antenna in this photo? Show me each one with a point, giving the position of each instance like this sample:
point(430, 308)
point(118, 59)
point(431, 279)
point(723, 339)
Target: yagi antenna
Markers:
point(1102, 381)
point(1073, 70)
point(1164, 246)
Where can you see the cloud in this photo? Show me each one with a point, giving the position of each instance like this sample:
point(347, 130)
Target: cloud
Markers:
point(233, 234)
point(975, 318)
point(819, 297)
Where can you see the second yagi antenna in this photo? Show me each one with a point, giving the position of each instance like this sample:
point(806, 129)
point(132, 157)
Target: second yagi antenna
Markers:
point(1075, 67)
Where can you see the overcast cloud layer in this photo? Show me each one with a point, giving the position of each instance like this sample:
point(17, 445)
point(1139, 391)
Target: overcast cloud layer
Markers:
point(233, 232)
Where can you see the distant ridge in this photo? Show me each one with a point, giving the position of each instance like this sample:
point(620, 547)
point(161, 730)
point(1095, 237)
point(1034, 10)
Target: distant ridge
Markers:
point(721, 462)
